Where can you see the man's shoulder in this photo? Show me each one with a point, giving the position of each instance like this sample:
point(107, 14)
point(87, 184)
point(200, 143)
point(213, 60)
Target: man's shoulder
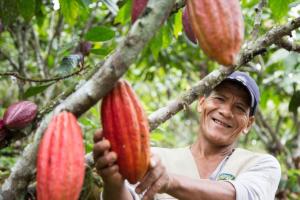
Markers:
point(260, 156)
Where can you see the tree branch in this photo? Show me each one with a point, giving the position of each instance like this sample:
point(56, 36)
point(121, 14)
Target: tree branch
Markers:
point(288, 45)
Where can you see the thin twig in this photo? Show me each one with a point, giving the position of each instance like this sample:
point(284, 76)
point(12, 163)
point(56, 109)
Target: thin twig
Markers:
point(18, 76)
point(257, 20)
point(37, 49)
point(11, 62)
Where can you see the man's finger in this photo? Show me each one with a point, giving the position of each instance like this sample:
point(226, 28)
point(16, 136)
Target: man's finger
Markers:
point(100, 148)
point(152, 175)
point(153, 189)
point(106, 160)
point(98, 136)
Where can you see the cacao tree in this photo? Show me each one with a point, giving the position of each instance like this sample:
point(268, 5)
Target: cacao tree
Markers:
point(67, 55)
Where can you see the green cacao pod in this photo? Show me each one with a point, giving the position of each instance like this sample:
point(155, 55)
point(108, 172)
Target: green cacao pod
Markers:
point(60, 161)
point(125, 125)
point(219, 28)
point(137, 7)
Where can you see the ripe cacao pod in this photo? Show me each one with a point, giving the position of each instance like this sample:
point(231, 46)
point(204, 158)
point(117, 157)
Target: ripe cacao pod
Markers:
point(60, 160)
point(219, 28)
point(20, 114)
point(125, 125)
point(137, 7)
point(187, 27)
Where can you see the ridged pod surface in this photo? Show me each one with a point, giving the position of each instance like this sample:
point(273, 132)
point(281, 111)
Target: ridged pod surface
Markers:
point(125, 125)
point(187, 27)
point(219, 28)
point(137, 7)
point(60, 161)
point(20, 114)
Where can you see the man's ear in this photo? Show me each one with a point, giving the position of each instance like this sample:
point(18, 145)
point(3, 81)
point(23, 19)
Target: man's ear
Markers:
point(200, 103)
point(249, 124)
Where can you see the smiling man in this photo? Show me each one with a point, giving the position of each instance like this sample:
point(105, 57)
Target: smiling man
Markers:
point(212, 167)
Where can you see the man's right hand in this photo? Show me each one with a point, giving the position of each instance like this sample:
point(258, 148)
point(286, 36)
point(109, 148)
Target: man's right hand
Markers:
point(105, 161)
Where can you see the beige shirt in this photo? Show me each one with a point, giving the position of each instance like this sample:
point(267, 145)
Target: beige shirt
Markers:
point(254, 176)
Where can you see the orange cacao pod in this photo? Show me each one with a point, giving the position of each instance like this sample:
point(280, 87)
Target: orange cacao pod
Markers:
point(137, 7)
point(219, 28)
point(60, 161)
point(125, 125)
point(187, 27)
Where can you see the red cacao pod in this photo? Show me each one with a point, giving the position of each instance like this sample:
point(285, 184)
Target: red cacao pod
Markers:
point(125, 125)
point(60, 160)
point(20, 114)
point(187, 27)
point(219, 28)
point(137, 7)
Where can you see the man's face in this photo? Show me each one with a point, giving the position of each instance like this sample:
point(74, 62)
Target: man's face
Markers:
point(225, 114)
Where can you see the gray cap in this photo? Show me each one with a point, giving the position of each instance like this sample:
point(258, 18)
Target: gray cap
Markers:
point(250, 85)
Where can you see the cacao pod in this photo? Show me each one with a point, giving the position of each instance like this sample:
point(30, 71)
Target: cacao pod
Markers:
point(60, 160)
point(2, 130)
point(20, 114)
point(84, 48)
point(125, 125)
point(187, 27)
point(137, 7)
point(219, 28)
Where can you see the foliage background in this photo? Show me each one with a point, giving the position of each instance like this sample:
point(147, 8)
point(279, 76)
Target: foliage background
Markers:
point(39, 38)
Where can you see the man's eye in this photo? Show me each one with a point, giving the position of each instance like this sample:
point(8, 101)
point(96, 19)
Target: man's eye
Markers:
point(241, 108)
point(220, 98)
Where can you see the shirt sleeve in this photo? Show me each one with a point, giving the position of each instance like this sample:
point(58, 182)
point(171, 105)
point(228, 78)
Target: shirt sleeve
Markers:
point(260, 181)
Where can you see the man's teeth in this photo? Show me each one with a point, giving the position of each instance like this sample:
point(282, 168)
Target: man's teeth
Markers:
point(221, 123)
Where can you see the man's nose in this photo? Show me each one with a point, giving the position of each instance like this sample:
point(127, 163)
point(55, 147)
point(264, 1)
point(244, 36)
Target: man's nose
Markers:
point(226, 110)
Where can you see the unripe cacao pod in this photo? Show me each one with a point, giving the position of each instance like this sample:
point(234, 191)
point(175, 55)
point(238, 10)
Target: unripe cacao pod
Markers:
point(20, 114)
point(60, 160)
point(187, 27)
point(125, 125)
point(219, 28)
point(137, 7)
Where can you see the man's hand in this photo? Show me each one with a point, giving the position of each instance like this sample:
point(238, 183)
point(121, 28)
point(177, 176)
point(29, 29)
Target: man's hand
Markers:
point(155, 181)
point(105, 161)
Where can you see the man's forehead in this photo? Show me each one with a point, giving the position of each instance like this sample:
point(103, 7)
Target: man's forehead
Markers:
point(235, 89)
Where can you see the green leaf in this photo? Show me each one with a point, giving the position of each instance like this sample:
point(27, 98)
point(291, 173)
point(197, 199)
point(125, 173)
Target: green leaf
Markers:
point(100, 33)
point(279, 8)
point(177, 27)
point(100, 51)
point(156, 44)
point(32, 91)
point(9, 11)
point(27, 8)
point(124, 14)
point(71, 9)
point(295, 102)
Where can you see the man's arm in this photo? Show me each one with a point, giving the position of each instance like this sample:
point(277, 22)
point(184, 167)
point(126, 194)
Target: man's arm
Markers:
point(259, 182)
point(190, 189)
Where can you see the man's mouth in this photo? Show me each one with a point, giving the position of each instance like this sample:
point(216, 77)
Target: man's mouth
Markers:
point(221, 123)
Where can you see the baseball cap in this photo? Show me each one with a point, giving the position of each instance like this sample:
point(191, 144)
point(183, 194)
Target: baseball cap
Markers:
point(250, 85)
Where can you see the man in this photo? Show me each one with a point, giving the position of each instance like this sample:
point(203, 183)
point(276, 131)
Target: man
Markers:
point(212, 167)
